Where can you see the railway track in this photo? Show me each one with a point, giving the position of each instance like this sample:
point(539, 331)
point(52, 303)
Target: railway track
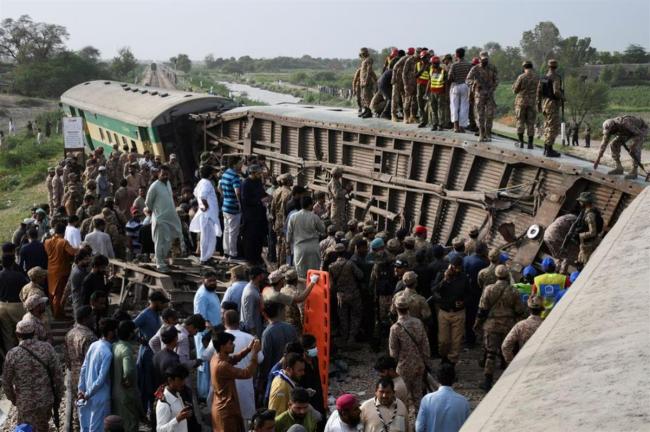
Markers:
point(159, 77)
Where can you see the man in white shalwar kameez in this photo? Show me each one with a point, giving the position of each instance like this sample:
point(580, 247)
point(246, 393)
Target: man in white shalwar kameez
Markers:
point(165, 223)
point(206, 219)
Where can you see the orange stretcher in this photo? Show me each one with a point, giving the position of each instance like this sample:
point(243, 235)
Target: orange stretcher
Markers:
point(317, 323)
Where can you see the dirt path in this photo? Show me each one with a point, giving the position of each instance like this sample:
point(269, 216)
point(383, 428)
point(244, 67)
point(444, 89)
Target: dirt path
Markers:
point(22, 109)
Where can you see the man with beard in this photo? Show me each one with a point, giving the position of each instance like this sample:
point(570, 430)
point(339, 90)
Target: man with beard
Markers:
point(165, 223)
point(207, 304)
point(206, 220)
point(299, 412)
point(347, 416)
point(255, 226)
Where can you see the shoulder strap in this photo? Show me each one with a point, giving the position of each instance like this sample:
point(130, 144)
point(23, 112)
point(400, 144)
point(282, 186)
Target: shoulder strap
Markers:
point(417, 345)
point(38, 359)
point(496, 301)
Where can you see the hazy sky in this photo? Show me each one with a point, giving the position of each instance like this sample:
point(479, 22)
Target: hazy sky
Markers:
point(158, 29)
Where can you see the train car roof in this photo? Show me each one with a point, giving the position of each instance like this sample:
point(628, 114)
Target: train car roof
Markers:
point(587, 368)
point(139, 105)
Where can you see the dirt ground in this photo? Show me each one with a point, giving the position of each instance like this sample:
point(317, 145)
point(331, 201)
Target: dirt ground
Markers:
point(22, 109)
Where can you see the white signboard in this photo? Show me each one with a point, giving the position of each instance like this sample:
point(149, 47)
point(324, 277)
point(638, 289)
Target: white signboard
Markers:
point(73, 132)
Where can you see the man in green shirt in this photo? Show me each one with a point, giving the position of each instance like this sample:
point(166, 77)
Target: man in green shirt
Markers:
point(299, 412)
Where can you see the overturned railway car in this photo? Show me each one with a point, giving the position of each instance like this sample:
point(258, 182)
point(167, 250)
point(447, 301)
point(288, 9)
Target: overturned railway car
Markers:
point(403, 176)
point(142, 118)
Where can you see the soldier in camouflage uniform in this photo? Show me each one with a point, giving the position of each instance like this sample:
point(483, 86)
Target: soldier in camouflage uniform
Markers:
point(338, 199)
point(175, 174)
point(397, 95)
point(57, 191)
point(74, 193)
point(523, 330)
point(345, 276)
point(26, 382)
point(447, 60)
point(279, 200)
point(418, 306)
point(295, 311)
point(36, 305)
point(625, 128)
point(367, 82)
point(409, 252)
point(549, 101)
point(500, 308)
point(525, 90)
point(356, 89)
point(409, 345)
point(36, 287)
point(77, 341)
point(113, 168)
point(588, 234)
point(486, 276)
point(483, 80)
point(410, 87)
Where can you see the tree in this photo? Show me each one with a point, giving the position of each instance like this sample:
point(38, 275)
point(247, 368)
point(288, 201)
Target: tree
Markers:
point(492, 47)
point(641, 73)
point(606, 75)
point(89, 53)
point(508, 63)
point(618, 74)
point(635, 54)
point(182, 62)
point(24, 40)
point(584, 97)
point(210, 62)
point(574, 52)
point(124, 64)
point(539, 44)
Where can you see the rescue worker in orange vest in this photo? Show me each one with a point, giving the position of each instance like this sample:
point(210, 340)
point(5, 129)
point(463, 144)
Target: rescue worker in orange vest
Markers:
point(551, 286)
point(422, 79)
point(436, 93)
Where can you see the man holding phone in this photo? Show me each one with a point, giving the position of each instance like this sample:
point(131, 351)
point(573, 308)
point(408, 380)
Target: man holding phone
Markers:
point(172, 411)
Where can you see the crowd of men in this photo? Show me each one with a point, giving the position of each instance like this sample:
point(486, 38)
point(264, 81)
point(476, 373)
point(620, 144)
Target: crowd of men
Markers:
point(445, 92)
point(244, 354)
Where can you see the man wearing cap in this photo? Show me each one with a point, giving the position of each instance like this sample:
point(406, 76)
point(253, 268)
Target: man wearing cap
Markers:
point(175, 173)
point(338, 199)
point(165, 223)
point(418, 307)
point(57, 190)
point(77, 341)
point(35, 306)
point(486, 276)
point(410, 87)
point(367, 82)
point(206, 220)
point(124, 197)
point(499, 309)
point(525, 90)
point(397, 93)
point(523, 330)
point(483, 80)
point(345, 277)
point(550, 285)
point(620, 130)
point(550, 96)
point(458, 245)
point(279, 201)
point(74, 194)
point(347, 416)
point(589, 231)
point(436, 93)
point(409, 252)
point(26, 379)
point(303, 235)
point(103, 184)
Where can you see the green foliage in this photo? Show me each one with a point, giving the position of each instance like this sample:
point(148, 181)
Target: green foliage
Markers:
point(606, 75)
point(124, 65)
point(539, 44)
point(636, 54)
point(504, 98)
point(23, 162)
point(584, 97)
point(52, 77)
point(26, 41)
point(632, 98)
point(182, 62)
point(574, 52)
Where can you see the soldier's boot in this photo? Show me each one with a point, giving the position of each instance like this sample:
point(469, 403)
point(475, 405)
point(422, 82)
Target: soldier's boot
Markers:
point(481, 134)
point(520, 143)
point(487, 383)
point(618, 169)
point(423, 123)
point(530, 142)
point(366, 113)
point(549, 152)
point(488, 134)
point(394, 119)
point(456, 127)
point(633, 173)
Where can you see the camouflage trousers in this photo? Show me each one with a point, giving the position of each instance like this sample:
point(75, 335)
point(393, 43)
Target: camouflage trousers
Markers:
point(281, 247)
point(552, 123)
point(422, 103)
point(396, 99)
point(635, 147)
point(37, 416)
point(492, 343)
point(349, 318)
point(378, 103)
point(526, 116)
point(436, 111)
point(451, 329)
point(415, 385)
point(337, 215)
point(367, 92)
point(484, 108)
point(445, 110)
point(410, 103)
point(586, 249)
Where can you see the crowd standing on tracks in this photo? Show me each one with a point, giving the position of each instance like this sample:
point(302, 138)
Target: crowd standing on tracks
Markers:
point(445, 93)
point(243, 360)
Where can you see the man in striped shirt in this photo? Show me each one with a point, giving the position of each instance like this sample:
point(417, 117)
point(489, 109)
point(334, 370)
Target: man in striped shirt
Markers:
point(459, 93)
point(230, 187)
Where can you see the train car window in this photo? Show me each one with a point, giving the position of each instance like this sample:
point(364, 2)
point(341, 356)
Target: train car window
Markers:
point(117, 141)
point(124, 141)
point(110, 138)
point(101, 133)
point(132, 143)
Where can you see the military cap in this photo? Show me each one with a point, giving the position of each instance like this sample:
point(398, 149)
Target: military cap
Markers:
point(353, 223)
point(447, 57)
point(284, 268)
point(36, 274)
point(483, 54)
point(458, 241)
point(401, 264)
point(291, 274)
point(401, 302)
point(369, 229)
point(25, 327)
point(527, 64)
point(410, 277)
point(535, 302)
point(238, 271)
point(337, 171)
point(34, 301)
point(552, 63)
point(50, 169)
point(339, 247)
point(363, 51)
point(501, 271)
point(474, 231)
point(393, 245)
point(586, 197)
point(276, 276)
point(331, 230)
point(494, 254)
point(409, 241)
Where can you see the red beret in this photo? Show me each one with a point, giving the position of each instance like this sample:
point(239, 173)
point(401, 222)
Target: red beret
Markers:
point(410, 51)
point(420, 230)
point(346, 401)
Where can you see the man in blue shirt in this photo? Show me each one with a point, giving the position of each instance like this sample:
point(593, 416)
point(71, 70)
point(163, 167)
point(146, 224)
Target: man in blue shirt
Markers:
point(239, 280)
point(33, 253)
point(230, 187)
point(472, 264)
point(443, 410)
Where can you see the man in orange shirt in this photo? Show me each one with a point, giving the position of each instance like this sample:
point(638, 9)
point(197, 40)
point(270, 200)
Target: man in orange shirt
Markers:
point(59, 264)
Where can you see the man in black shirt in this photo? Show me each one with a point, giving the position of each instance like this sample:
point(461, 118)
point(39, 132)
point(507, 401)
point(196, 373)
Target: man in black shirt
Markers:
point(166, 358)
point(11, 308)
point(33, 253)
point(96, 279)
